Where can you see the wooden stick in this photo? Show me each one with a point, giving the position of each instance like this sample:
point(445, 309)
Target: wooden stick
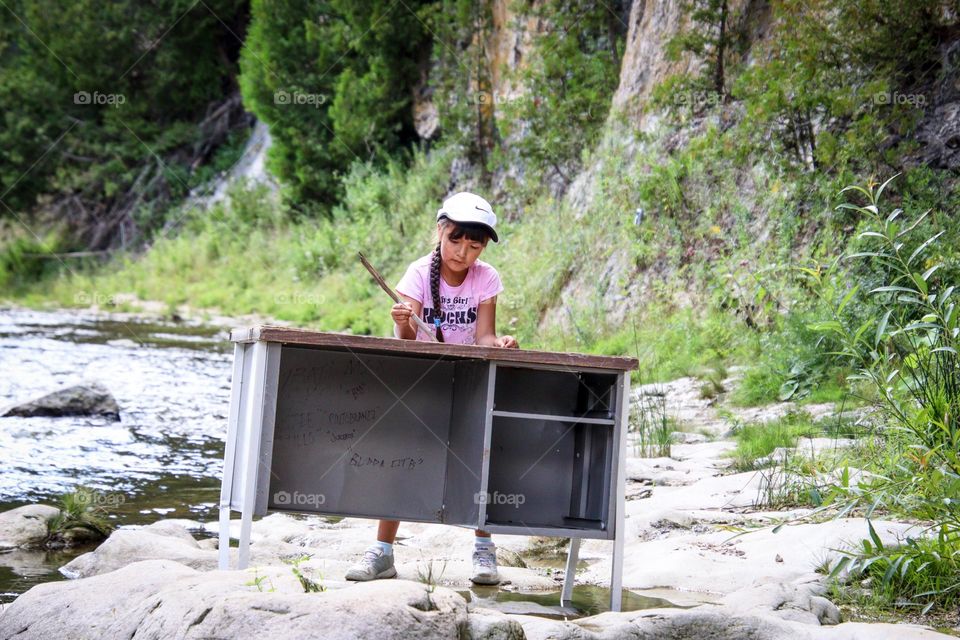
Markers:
point(427, 329)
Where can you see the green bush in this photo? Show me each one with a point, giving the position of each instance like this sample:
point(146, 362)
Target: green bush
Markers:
point(332, 80)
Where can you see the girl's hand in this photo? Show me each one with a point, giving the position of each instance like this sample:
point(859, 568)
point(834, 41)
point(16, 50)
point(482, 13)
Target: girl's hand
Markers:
point(508, 342)
point(401, 314)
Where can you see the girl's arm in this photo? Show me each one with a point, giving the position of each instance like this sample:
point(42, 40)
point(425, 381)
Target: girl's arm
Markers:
point(486, 326)
point(405, 327)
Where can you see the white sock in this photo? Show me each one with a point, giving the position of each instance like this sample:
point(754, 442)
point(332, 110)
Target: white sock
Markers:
point(481, 542)
point(386, 546)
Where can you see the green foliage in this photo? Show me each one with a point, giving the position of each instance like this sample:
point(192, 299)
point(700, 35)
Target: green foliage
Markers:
point(909, 351)
point(430, 576)
point(921, 573)
point(79, 509)
point(25, 259)
point(332, 80)
point(567, 84)
point(709, 37)
point(258, 581)
point(905, 349)
point(309, 585)
point(652, 425)
point(794, 363)
point(757, 440)
point(836, 67)
point(89, 90)
point(383, 213)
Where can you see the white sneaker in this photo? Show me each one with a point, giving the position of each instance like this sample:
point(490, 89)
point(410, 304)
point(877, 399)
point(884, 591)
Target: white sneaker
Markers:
point(374, 564)
point(485, 566)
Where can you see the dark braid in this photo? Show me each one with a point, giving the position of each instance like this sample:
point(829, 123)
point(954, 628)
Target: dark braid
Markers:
point(435, 290)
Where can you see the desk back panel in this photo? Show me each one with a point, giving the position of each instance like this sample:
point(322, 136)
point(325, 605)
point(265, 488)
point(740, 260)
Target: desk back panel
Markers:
point(359, 434)
point(468, 418)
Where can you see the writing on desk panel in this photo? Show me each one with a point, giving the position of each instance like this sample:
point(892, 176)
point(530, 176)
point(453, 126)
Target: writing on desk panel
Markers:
point(367, 432)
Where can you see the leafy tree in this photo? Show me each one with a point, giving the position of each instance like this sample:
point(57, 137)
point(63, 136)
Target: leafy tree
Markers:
point(824, 84)
point(460, 77)
point(708, 36)
point(566, 84)
point(332, 80)
point(101, 104)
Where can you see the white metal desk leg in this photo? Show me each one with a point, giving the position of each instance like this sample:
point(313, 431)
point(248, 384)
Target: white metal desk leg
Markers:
point(571, 572)
point(616, 577)
point(254, 420)
point(230, 456)
point(616, 572)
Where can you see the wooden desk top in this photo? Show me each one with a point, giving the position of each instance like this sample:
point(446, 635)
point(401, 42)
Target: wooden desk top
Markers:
point(346, 342)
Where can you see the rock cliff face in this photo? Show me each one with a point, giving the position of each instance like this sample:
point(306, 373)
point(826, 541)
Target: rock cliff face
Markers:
point(508, 44)
point(645, 62)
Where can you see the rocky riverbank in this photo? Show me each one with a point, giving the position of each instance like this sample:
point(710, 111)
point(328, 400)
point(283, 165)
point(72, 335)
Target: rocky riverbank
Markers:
point(682, 516)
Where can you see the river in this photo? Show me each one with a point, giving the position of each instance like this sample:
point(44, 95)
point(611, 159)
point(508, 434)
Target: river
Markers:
point(162, 460)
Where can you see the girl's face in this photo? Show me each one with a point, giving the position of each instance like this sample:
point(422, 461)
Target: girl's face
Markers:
point(458, 254)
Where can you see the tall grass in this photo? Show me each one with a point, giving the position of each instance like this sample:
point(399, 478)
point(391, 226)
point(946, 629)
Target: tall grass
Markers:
point(905, 346)
point(757, 440)
point(652, 425)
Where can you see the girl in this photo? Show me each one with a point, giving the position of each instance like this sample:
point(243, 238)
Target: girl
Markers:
point(456, 293)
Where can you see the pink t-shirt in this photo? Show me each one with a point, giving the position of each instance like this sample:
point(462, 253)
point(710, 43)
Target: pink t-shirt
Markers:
point(458, 304)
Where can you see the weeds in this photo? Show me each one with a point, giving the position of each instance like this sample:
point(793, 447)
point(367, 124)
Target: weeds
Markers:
point(923, 572)
point(905, 347)
point(309, 585)
point(653, 427)
point(756, 441)
point(81, 517)
point(258, 581)
point(430, 577)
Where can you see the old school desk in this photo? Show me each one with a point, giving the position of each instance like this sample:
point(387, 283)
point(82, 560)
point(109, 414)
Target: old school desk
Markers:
point(506, 440)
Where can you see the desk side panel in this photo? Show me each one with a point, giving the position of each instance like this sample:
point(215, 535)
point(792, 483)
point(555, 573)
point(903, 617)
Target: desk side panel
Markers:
point(238, 468)
point(360, 434)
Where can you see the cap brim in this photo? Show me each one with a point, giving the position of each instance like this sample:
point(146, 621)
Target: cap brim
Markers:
point(490, 230)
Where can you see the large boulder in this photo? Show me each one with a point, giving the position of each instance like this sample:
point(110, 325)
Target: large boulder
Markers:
point(25, 526)
point(165, 599)
point(716, 623)
point(169, 540)
point(87, 399)
point(159, 541)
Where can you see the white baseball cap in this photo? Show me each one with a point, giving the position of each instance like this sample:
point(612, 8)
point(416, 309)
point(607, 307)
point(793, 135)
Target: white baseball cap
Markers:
point(469, 207)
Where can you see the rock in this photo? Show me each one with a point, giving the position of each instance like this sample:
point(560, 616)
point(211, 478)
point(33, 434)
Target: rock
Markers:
point(798, 602)
point(173, 530)
point(683, 437)
point(126, 546)
point(87, 399)
point(76, 536)
point(777, 410)
point(164, 599)
point(492, 625)
point(714, 561)
point(25, 526)
point(509, 558)
point(709, 621)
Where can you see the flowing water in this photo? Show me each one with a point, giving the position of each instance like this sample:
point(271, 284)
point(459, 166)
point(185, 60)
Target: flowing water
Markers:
point(162, 460)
